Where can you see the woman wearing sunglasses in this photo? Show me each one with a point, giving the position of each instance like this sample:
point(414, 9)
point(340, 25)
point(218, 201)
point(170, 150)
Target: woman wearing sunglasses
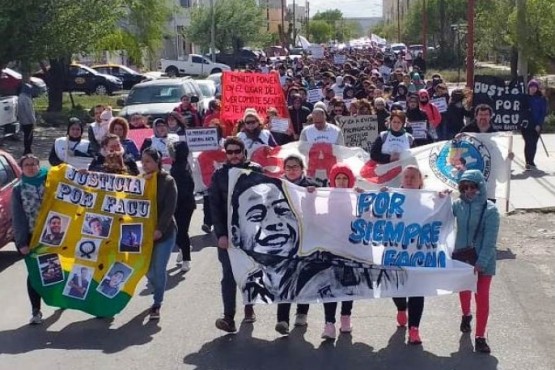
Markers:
point(253, 134)
point(477, 228)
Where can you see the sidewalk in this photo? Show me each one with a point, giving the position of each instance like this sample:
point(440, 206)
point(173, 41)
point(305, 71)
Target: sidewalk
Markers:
point(533, 190)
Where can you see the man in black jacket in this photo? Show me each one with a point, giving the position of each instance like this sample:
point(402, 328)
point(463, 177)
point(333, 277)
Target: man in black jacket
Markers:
point(236, 158)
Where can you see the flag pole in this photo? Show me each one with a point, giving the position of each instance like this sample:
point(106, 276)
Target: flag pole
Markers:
point(508, 187)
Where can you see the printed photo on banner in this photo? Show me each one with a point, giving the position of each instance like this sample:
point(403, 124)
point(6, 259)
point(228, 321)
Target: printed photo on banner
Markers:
point(87, 249)
point(50, 269)
point(97, 225)
point(54, 230)
point(79, 282)
point(266, 227)
point(114, 280)
point(131, 238)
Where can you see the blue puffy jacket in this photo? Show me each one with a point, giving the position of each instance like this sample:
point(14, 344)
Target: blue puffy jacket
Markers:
point(538, 110)
point(467, 213)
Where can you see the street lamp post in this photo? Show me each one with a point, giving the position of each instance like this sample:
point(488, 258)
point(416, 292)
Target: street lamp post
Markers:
point(212, 32)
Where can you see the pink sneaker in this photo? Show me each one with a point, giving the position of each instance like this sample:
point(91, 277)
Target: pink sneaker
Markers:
point(329, 331)
point(345, 324)
point(414, 336)
point(402, 318)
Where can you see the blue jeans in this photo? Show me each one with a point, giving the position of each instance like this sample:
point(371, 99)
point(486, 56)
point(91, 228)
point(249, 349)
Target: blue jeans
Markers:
point(229, 287)
point(157, 274)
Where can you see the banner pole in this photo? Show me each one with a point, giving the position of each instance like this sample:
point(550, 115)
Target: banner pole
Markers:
point(509, 164)
point(544, 147)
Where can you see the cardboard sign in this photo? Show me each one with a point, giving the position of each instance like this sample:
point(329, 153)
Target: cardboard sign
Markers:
point(359, 131)
point(314, 95)
point(348, 103)
point(201, 139)
point(441, 104)
point(280, 124)
point(260, 91)
point(317, 51)
point(419, 129)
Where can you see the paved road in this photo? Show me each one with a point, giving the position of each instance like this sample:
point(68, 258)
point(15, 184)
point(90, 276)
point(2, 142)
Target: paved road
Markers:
point(521, 327)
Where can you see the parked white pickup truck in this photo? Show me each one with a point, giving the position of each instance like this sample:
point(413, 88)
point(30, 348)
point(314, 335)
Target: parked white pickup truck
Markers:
point(193, 65)
point(8, 116)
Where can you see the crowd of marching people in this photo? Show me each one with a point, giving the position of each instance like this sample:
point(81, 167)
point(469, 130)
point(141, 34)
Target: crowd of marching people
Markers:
point(412, 109)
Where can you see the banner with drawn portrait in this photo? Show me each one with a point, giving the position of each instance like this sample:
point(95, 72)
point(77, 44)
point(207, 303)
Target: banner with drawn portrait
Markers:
point(93, 239)
point(290, 245)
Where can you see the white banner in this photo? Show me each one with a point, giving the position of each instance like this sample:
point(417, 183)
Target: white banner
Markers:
point(442, 163)
point(289, 245)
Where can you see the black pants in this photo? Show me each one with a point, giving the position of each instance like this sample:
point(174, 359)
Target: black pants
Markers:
point(27, 138)
point(415, 306)
point(331, 307)
point(284, 309)
point(183, 217)
point(206, 209)
point(531, 138)
point(34, 296)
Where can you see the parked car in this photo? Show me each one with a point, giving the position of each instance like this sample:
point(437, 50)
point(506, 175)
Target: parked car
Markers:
point(217, 79)
point(85, 79)
point(416, 49)
point(243, 58)
point(9, 174)
point(192, 64)
point(10, 81)
point(399, 47)
point(9, 125)
point(208, 89)
point(128, 77)
point(156, 99)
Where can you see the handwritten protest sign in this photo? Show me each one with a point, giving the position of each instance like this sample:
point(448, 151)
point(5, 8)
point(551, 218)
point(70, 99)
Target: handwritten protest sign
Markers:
point(317, 51)
point(280, 124)
point(314, 95)
point(93, 239)
point(419, 129)
point(441, 104)
point(508, 101)
point(359, 131)
point(200, 139)
point(251, 90)
point(339, 59)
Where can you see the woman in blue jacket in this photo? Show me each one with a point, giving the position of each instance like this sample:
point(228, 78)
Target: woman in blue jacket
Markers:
point(537, 105)
point(477, 226)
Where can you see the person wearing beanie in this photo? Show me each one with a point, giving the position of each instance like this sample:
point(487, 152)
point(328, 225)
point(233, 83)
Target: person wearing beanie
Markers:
point(27, 196)
point(390, 145)
point(71, 145)
point(477, 220)
point(537, 108)
point(321, 131)
point(253, 135)
point(341, 176)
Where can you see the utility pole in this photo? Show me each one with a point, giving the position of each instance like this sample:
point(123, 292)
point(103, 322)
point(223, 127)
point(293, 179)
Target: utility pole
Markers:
point(294, 23)
point(470, 44)
point(268, 15)
point(398, 20)
point(522, 66)
point(307, 20)
point(212, 31)
point(282, 36)
point(424, 29)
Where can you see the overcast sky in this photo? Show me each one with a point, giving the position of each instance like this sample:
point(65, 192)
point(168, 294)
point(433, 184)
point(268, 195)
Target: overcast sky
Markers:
point(350, 8)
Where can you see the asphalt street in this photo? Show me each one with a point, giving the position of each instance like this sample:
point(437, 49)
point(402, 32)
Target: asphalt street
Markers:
point(520, 330)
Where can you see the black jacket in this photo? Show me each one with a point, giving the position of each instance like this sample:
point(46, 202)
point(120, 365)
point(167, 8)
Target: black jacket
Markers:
point(382, 115)
point(473, 127)
point(298, 118)
point(218, 195)
point(181, 173)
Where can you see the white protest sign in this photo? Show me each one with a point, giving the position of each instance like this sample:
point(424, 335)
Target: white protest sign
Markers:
point(201, 139)
point(314, 95)
point(359, 131)
point(385, 70)
point(419, 129)
point(441, 104)
point(339, 59)
point(280, 124)
point(348, 103)
point(317, 51)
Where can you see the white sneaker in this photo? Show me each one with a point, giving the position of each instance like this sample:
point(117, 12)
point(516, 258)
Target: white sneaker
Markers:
point(301, 320)
point(186, 266)
point(179, 257)
point(36, 319)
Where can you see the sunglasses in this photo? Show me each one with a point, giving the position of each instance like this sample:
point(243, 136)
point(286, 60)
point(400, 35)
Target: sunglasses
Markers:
point(250, 122)
point(233, 151)
point(465, 187)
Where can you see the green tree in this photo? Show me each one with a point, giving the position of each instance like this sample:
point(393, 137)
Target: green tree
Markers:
point(54, 30)
point(320, 31)
point(238, 23)
point(334, 19)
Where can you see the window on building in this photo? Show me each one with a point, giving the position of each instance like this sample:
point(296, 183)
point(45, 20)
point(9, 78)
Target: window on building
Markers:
point(185, 3)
